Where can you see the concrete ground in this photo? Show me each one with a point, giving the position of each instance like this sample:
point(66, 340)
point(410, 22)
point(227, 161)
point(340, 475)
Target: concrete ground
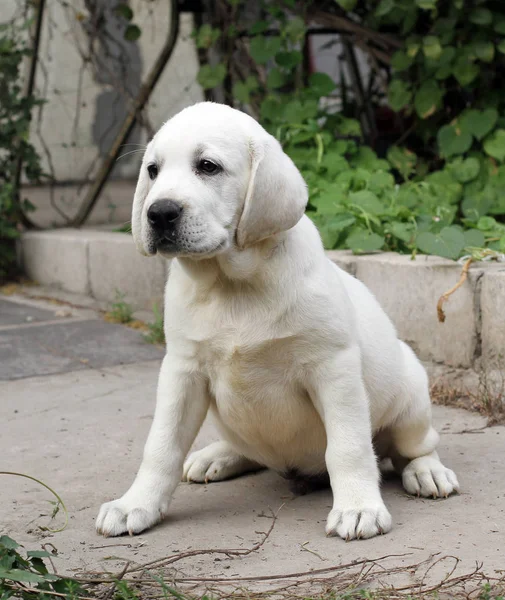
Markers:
point(77, 399)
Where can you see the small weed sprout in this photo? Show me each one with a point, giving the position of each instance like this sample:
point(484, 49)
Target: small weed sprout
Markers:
point(121, 311)
point(156, 334)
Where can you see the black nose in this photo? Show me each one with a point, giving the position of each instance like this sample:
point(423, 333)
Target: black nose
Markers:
point(163, 215)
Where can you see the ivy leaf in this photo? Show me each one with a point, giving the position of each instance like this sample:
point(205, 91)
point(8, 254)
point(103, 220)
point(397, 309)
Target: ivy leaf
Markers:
point(124, 11)
point(465, 71)
point(347, 4)
point(481, 16)
point(385, 7)
point(321, 83)
point(465, 170)
point(206, 36)
point(479, 122)
point(403, 231)
point(426, 4)
point(264, 48)
point(431, 47)
point(211, 76)
point(449, 243)
point(501, 46)
point(484, 51)
point(21, 575)
point(8, 542)
point(428, 98)
point(400, 61)
point(499, 26)
point(494, 145)
point(367, 201)
point(295, 29)
point(403, 160)
point(362, 241)
point(474, 238)
point(276, 79)
point(132, 33)
point(398, 95)
point(288, 60)
point(453, 140)
point(258, 27)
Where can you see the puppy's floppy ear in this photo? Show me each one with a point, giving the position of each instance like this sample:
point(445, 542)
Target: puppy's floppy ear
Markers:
point(276, 196)
point(139, 198)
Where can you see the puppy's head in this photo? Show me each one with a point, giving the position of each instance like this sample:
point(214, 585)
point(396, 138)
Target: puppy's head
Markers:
point(213, 179)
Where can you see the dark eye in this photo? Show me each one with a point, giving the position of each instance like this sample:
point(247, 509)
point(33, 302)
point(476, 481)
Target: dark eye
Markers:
point(208, 167)
point(152, 169)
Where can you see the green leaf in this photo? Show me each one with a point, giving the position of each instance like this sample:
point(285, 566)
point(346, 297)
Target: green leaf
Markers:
point(479, 122)
point(428, 98)
point(481, 16)
point(264, 48)
point(449, 243)
point(289, 60)
point(494, 145)
point(362, 241)
point(465, 170)
point(132, 33)
point(211, 76)
point(431, 47)
point(21, 575)
point(474, 238)
point(276, 79)
point(413, 44)
point(403, 160)
point(400, 61)
point(295, 29)
point(124, 11)
point(321, 84)
point(8, 542)
point(347, 4)
point(484, 51)
point(501, 46)
point(206, 36)
point(385, 7)
point(499, 26)
point(453, 140)
point(426, 4)
point(465, 71)
point(367, 201)
point(403, 231)
point(39, 554)
point(258, 27)
point(398, 95)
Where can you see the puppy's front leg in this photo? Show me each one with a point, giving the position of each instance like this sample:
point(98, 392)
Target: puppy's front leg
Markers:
point(181, 406)
point(339, 395)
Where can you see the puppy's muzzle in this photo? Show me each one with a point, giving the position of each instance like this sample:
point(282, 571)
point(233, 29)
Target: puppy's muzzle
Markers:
point(164, 217)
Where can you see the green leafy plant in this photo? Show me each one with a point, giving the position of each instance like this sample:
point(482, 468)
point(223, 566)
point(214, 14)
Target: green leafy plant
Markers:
point(16, 111)
point(156, 334)
point(439, 188)
point(121, 311)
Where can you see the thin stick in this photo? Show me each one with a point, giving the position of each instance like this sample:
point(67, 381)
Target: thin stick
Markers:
point(65, 511)
point(444, 297)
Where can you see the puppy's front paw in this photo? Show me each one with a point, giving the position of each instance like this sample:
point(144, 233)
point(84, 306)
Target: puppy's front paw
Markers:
point(359, 523)
point(123, 515)
point(426, 476)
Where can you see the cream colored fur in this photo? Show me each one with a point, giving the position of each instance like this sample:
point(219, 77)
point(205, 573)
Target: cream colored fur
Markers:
point(295, 358)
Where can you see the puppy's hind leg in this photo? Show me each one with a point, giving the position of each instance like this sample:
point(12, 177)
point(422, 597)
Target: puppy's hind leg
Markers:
point(216, 462)
point(414, 438)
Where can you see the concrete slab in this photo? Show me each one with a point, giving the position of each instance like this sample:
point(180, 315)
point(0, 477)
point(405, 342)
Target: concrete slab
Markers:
point(83, 434)
point(493, 319)
point(69, 346)
point(14, 313)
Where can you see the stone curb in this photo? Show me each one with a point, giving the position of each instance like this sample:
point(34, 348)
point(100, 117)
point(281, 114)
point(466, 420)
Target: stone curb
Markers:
point(100, 263)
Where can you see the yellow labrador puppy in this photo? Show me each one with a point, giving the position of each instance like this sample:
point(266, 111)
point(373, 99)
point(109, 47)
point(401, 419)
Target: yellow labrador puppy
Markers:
point(295, 358)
